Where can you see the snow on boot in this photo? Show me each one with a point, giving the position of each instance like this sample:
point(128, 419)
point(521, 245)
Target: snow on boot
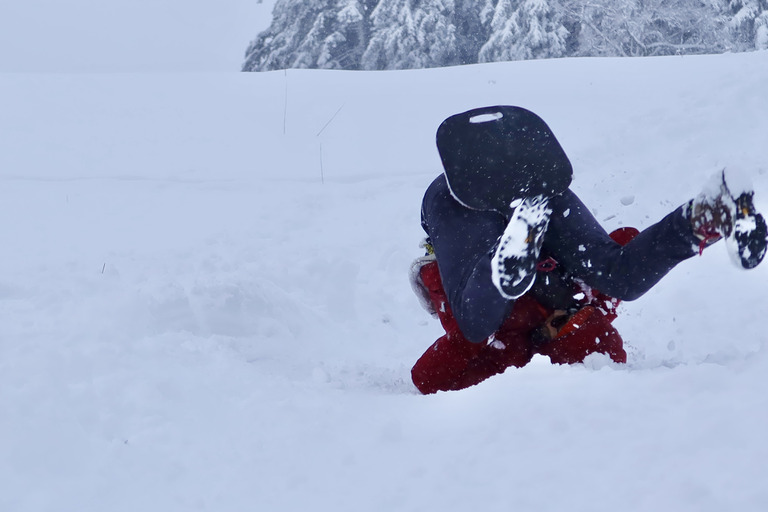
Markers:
point(725, 208)
point(748, 241)
point(514, 261)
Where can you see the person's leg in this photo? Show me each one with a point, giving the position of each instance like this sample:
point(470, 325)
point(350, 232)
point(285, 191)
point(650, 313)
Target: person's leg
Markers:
point(463, 240)
point(447, 358)
point(441, 367)
point(510, 346)
point(589, 330)
point(453, 362)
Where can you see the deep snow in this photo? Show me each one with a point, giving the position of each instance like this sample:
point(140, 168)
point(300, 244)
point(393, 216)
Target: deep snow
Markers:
point(204, 302)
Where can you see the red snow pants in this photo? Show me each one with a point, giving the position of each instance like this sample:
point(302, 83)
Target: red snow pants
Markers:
point(453, 362)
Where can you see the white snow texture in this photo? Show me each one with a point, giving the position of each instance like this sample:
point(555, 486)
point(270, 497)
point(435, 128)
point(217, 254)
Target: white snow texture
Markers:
point(205, 303)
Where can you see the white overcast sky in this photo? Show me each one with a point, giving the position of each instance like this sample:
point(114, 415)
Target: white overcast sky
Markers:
point(128, 35)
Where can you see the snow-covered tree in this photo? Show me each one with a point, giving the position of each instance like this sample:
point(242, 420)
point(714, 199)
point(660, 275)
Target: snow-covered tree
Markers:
point(761, 31)
point(398, 34)
point(330, 34)
point(523, 29)
point(412, 34)
point(748, 22)
point(646, 27)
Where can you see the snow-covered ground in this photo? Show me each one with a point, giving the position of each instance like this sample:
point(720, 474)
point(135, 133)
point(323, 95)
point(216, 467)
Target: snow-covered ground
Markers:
point(204, 301)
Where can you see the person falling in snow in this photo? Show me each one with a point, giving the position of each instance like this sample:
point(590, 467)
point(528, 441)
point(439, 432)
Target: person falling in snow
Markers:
point(542, 276)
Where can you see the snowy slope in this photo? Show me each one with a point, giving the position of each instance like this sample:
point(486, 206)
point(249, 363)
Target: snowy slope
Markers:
point(204, 301)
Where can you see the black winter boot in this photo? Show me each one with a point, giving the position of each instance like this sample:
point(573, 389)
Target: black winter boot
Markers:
point(725, 209)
